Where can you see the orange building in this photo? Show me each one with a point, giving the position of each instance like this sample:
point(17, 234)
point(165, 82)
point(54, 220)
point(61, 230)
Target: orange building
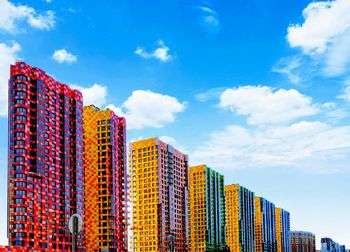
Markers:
point(105, 180)
point(159, 189)
point(240, 220)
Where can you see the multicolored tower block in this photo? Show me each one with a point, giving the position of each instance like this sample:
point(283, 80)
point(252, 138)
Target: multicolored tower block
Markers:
point(159, 196)
point(302, 241)
point(265, 227)
point(207, 209)
point(45, 169)
point(105, 180)
point(282, 230)
point(240, 231)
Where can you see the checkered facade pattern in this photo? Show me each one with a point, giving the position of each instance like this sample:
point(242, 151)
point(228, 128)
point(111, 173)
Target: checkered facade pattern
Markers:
point(45, 168)
point(105, 180)
point(265, 227)
point(207, 209)
point(282, 230)
point(302, 241)
point(240, 231)
point(159, 196)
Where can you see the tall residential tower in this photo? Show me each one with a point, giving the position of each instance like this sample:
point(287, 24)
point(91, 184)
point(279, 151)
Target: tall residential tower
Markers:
point(159, 196)
point(240, 221)
point(207, 209)
point(105, 180)
point(45, 168)
point(282, 230)
point(265, 227)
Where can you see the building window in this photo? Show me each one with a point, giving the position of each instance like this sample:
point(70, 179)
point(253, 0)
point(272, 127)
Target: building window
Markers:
point(21, 85)
point(19, 126)
point(21, 110)
point(19, 101)
point(20, 151)
point(21, 94)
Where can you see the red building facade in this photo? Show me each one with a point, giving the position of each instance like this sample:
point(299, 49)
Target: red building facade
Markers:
point(45, 172)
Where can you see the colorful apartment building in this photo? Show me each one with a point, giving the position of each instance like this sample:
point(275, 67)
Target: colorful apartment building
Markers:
point(265, 227)
point(159, 196)
point(45, 168)
point(207, 209)
point(302, 241)
point(105, 180)
point(282, 230)
point(240, 222)
point(328, 245)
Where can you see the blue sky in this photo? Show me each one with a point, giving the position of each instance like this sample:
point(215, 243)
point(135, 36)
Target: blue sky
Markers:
point(258, 90)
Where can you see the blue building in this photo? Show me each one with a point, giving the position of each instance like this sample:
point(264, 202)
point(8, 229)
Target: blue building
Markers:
point(265, 226)
point(283, 230)
point(328, 245)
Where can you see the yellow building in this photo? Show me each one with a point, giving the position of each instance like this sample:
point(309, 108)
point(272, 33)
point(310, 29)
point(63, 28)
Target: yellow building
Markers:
point(239, 218)
point(258, 226)
point(278, 229)
point(282, 230)
point(265, 227)
point(159, 196)
point(105, 180)
point(207, 209)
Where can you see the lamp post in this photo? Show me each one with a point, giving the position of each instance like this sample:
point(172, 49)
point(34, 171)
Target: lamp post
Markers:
point(75, 226)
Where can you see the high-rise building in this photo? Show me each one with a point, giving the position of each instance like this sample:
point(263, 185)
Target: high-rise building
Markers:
point(282, 230)
point(328, 245)
point(159, 196)
point(240, 221)
point(45, 169)
point(105, 180)
point(207, 209)
point(265, 227)
point(302, 241)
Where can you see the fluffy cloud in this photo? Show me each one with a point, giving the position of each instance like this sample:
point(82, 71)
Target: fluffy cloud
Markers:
point(324, 35)
point(161, 53)
point(12, 14)
point(264, 105)
point(96, 94)
point(147, 109)
point(324, 21)
point(9, 54)
point(62, 56)
point(315, 146)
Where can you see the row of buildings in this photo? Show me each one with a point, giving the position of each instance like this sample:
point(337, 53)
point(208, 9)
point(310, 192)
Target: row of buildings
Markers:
point(64, 159)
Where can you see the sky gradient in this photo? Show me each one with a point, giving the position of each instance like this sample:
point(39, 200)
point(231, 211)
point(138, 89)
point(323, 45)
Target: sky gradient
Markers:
point(258, 90)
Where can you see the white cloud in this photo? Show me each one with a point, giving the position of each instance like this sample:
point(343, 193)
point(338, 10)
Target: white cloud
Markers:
point(324, 35)
point(9, 55)
point(161, 53)
point(345, 95)
point(337, 58)
point(209, 94)
point(62, 56)
point(324, 21)
point(209, 18)
point(12, 14)
point(264, 105)
point(314, 146)
point(290, 67)
point(96, 94)
point(147, 109)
